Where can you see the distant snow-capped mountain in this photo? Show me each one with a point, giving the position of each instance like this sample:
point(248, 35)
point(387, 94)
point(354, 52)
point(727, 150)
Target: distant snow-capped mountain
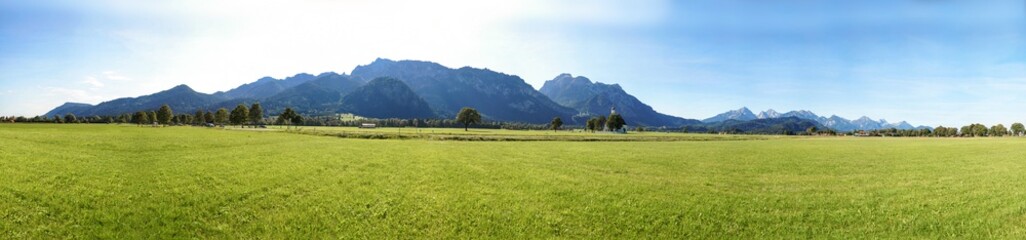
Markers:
point(834, 122)
point(768, 114)
point(742, 114)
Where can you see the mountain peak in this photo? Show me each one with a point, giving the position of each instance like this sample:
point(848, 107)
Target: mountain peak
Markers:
point(768, 114)
point(181, 87)
point(382, 61)
point(566, 77)
point(70, 104)
point(405, 70)
point(386, 97)
point(301, 75)
point(69, 107)
point(742, 114)
point(834, 122)
point(323, 74)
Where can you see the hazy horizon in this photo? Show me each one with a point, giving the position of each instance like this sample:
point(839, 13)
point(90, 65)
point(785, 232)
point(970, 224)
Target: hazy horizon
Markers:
point(926, 62)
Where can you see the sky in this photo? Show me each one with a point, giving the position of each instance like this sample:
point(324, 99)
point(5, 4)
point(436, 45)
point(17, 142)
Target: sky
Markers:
point(929, 62)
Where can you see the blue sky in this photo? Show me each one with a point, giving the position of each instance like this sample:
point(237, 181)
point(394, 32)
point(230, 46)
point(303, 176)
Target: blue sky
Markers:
point(928, 62)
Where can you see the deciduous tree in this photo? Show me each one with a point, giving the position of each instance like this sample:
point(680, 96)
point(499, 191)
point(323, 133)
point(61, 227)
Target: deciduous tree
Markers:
point(468, 116)
point(284, 117)
point(221, 117)
point(556, 123)
point(998, 130)
point(239, 115)
point(141, 118)
point(164, 114)
point(615, 122)
point(70, 118)
point(289, 117)
point(1018, 129)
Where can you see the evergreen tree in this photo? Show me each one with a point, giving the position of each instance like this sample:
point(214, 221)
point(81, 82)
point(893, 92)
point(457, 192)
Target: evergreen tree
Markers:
point(296, 119)
point(256, 114)
point(208, 117)
point(198, 118)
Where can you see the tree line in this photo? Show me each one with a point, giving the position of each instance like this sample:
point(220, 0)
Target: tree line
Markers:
point(241, 116)
point(972, 130)
point(614, 123)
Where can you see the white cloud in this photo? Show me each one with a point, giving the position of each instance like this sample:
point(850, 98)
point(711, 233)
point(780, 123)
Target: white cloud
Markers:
point(92, 81)
point(106, 76)
point(113, 75)
point(72, 95)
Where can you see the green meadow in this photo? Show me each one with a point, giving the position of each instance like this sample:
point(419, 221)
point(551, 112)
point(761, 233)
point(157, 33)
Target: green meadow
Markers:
point(459, 134)
point(128, 182)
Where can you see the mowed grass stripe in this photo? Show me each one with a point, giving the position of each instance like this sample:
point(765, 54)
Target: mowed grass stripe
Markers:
point(103, 181)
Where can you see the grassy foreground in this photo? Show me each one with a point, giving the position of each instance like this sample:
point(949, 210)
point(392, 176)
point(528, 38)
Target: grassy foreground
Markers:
point(454, 134)
point(105, 181)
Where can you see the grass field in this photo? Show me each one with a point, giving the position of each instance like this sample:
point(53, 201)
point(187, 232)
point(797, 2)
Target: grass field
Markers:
point(459, 134)
point(108, 181)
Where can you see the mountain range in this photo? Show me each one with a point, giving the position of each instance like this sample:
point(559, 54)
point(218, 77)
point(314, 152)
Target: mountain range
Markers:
point(833, 122)
point(594, 98)
point(382, 89)
point(420, 89)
